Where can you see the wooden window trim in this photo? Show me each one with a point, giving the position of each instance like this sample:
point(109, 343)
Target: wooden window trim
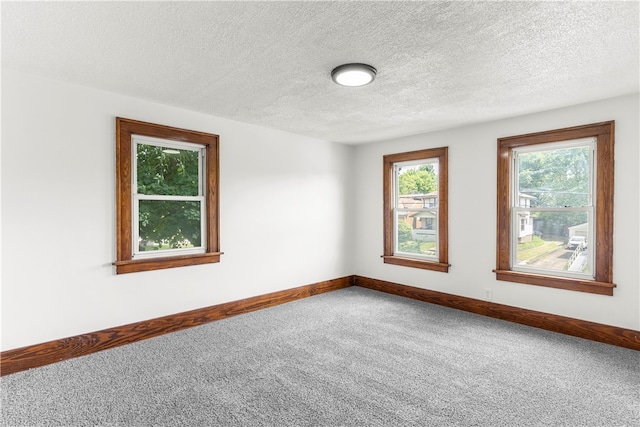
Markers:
point(604, 134)
point(125, 128)
point(388, 257)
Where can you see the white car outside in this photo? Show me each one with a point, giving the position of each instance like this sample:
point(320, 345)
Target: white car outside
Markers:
point(577, 241)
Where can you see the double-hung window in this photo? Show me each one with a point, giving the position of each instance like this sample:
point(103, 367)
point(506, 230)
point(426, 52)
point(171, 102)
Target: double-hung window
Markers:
point(167, 197)
point(416, 209)
point(555, 208)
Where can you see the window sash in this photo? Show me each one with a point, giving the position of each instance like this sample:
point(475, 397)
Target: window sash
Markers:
point(138, 254)
point(165, 143)
point(406, 212)
point(136, 198)
point(545, 147)
point(591, 239)
point(516, 209)
point(397, 211)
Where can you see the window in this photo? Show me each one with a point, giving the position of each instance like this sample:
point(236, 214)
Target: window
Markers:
point(555, 208)
point(416, 209)
point(167, 197)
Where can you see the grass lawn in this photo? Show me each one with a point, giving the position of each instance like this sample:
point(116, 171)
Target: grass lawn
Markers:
point(426, 247)
point(536, 248)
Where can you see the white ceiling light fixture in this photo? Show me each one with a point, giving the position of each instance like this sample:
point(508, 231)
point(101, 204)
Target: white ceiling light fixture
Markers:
point(353, 75)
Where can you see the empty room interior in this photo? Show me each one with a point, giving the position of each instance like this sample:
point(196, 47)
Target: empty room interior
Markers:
point(320, 213)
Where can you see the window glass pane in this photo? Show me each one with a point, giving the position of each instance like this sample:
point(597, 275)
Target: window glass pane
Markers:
point(416, 232)
point(166, 171)
point(554, 178)
point(554, 241)
point(169, 224)
point(419, 180)
point(417, 199)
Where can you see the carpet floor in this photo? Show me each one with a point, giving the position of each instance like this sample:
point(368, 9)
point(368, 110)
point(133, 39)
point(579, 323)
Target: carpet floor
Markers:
point(353, 357)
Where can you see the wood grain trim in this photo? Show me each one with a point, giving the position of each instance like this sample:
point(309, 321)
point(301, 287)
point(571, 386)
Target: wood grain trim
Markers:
point(123, 190)
point(125, 129)
point(213, 192)
point(604, 202)
point(589, 286)
point(442, 154)
point(604, 133)
point(503, 224)
point(607, 334)
point(133, 266)
point(564, 134)
point(416, 263)
point(33, 356)
point(443, 203)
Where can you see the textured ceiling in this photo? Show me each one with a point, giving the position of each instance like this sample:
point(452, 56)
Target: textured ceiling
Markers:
point(441, 64)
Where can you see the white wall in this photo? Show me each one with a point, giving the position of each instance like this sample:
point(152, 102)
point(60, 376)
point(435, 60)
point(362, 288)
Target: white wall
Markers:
point(294, 211)
point(472, 214)
point(283, 213)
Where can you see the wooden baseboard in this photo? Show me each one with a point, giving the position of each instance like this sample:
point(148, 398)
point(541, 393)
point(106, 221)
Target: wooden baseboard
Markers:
point(33, 356)
point(620, 337)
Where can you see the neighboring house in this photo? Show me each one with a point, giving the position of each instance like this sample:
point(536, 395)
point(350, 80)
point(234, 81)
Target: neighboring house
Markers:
point(526, 222)
point(423, 222)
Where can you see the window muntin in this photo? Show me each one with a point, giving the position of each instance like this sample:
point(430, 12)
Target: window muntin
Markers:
point(416, 209)
point(141, 190)
point(553, 186)
point(598, 278)
point(168, 200)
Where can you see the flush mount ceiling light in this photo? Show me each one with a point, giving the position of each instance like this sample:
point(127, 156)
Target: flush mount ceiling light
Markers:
point(353, 74)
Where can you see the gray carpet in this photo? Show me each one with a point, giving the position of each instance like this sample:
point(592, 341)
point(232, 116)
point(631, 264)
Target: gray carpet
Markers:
point(353, 357)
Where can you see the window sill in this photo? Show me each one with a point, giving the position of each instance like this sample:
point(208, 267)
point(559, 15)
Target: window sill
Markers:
point(588, 286)
point(132, 266)
point(416, 263)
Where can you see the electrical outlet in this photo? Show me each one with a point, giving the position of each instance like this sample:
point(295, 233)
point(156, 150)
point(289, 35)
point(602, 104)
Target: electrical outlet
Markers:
point(488, 294)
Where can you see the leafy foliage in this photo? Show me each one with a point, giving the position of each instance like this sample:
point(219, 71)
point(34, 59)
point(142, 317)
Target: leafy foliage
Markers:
point(410, 247)
point(404, 232)
point(176, 223)
point(172, 222)
point(556, 178)
point(168, 174)
point(421, 180)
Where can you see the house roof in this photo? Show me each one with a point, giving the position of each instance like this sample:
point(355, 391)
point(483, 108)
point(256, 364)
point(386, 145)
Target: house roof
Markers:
point(414, 201)
point(580, 226)
point(422, 196)
point(423, 214)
